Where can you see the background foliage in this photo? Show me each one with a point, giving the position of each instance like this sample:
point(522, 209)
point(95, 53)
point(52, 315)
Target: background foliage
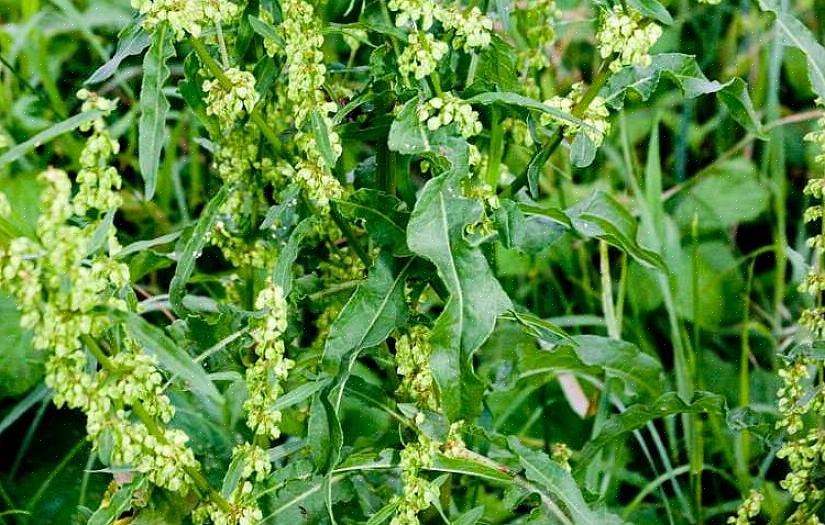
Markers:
point(633, 302)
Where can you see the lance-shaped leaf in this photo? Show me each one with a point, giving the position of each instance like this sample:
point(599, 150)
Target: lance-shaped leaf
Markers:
point(152, 131)
point(192, 250)
point(435, 231)
point(282, 274)
point(558, 485)
point(689, 78)
point(132, 41)
point(639, 415)
point(50, 133)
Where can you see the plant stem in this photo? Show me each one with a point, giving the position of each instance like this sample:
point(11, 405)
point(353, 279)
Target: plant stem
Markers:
point(607, 293)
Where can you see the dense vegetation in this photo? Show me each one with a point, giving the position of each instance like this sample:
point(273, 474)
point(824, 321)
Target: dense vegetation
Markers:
point(412, 262)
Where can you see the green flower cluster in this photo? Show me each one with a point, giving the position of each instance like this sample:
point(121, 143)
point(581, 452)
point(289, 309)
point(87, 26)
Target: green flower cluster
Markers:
point(595, 118)
point(243, 501)
point(412, 359)
point(305, 81)
point(748, 509)
point(446, 109)
point(539, 29)
point(804, 448)
point(185, 16)
point(627, 35)
point(228, 105)
point(61, 280)
point(264, 377)
point(419, 492)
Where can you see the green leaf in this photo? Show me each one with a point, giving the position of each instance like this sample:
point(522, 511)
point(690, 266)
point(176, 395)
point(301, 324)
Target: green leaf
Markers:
point(514, 99)
point(192, 250)
point(321, 135)
point(602, 217)
point(435, 231)
point(638, 415)
point(282, 273)
point(641, 374)
point(133, 40)
point(171, 357)
point(21, 366)
point(266, 30)
point(376, 308)
point(324, 434)
point(298, 394)
point(154, 106)
point(383, 515)
point(582, 150)
point(48, 134)
point(652, 9)
point(496, 68)
point(793, 33)
point(118, 503)
point(468, 467)
point(689, 78)
point(384, 216)
point(729, 194)
point(557, 484)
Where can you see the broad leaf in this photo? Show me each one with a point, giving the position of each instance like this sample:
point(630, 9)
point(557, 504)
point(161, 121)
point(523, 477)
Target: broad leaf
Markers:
point(384, 218)
point(118, 503)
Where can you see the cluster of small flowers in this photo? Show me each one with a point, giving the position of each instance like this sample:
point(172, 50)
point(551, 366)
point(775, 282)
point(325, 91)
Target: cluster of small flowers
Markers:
point(748, 509)
point(244, 509)
point(264, 378)
point(626, 34)
point(422, 55)
point(540, 34)
point(472, 29)
point(596, 125)
point(228, 104)
point(446, 109)
point(419, 493)
point(412, 359)
point(804, 449)
point(519, 131)
point(813, 318)
point(561, 454)
point(185, 16)
point(58, 290)
point(305, 80)
point(98, 182)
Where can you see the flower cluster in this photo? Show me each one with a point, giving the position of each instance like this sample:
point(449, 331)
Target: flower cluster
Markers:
point(60, 281)
point(472, 29)
point(228, 104)
point(305, 81)
point(185, 16)
point(804, 448)
point(446, 109)
point(422, 55)
point(264, 378)
point(627, 35)
point(412, 359)
point(419, 493)
point(244, 509)
point(595, 118)
point(749, 508)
